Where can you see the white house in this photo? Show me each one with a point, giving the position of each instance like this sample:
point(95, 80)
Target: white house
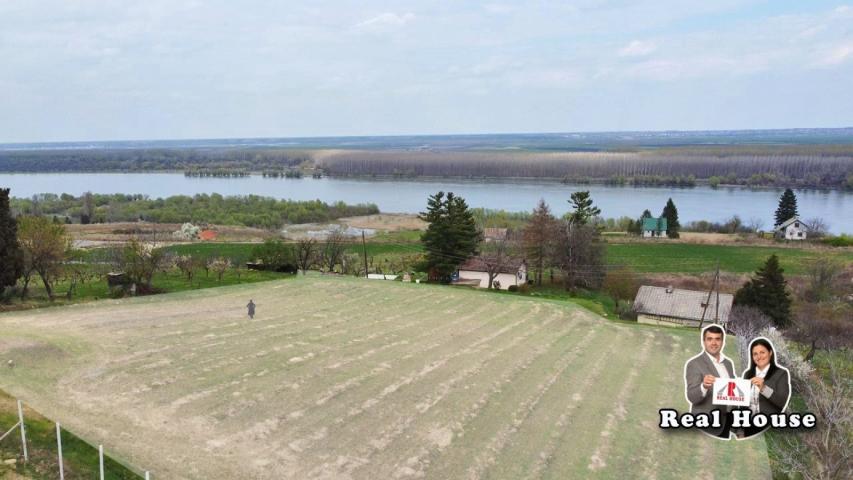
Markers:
point(474, 272)
point(791, 229)
point(680, 308)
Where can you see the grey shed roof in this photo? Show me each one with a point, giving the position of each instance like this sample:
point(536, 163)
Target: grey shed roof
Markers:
point(789, 221)
point(678, 303)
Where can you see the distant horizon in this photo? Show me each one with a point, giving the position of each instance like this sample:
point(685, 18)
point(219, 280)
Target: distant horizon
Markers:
point(839, 129)
point(187, 70)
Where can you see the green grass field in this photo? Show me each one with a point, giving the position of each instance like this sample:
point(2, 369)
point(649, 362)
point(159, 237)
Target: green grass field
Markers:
point(643, 257)
point(79, 458)
point(340, 377)
point(654, 257)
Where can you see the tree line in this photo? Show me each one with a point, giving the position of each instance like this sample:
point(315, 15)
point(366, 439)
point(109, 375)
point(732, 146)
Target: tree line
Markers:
point(143, 160)
point(805, 166)
point(249, 210)
point(820, 166)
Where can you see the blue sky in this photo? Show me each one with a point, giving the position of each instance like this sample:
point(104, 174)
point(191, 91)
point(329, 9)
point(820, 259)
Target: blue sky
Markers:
point(82, 70)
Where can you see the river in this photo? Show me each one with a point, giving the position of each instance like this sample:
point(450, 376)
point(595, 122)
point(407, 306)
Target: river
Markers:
point(409, 196)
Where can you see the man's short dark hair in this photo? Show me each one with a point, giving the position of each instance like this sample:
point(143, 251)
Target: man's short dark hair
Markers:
point(713, 329)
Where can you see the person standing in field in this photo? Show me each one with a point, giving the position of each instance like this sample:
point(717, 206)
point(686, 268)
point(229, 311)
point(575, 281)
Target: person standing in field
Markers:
point(251, 307)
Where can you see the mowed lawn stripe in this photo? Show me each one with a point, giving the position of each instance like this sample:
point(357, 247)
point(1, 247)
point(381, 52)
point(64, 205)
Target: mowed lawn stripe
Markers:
point(388, 392)
point(493, 417)
point(423, 424)
point(527, 437)
point(600, 410)
point(532, 448)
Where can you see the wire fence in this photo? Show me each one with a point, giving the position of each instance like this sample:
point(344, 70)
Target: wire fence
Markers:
point(25, 454)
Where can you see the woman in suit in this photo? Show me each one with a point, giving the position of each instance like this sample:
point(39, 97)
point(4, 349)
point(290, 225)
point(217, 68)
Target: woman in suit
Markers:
point(771, 384)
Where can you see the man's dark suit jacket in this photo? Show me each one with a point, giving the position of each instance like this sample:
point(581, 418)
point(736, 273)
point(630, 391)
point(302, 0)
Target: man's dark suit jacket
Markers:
point(694, 371)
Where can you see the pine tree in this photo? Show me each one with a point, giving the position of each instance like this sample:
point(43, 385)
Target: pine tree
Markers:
point(768, 292)
point(670, 213)
point(11, 256)
point(451, 236)
point(787, 207)
point(583, 209)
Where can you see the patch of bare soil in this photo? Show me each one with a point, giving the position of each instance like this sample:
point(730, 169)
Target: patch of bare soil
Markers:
point(100, 234)
point(386, 222)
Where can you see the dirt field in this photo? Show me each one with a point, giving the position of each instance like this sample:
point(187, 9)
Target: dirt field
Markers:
point(347, 378)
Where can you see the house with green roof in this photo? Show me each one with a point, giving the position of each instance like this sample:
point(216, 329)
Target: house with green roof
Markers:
point(654, 227)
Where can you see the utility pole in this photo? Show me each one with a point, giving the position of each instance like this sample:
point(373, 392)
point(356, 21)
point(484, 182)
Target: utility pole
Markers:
point(714, 286)
point(364, 248)
point(717, 288)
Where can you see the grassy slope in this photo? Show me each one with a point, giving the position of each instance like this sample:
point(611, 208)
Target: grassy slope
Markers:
point(80, 458)
point(445, 381)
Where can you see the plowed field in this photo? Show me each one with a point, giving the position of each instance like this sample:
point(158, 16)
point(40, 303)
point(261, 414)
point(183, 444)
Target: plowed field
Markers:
point(349, 378)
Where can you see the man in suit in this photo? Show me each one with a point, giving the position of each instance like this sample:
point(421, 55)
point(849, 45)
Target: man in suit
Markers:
point(700, 373)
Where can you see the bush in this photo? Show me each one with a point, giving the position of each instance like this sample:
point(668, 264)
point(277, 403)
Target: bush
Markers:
point(512, 288)
point(838, 241)
point(276, 256)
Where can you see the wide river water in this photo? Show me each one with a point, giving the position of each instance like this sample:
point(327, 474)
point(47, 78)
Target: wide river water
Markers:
point(409, 196)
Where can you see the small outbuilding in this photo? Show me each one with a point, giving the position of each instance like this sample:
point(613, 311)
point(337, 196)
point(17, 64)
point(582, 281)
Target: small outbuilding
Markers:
point(475, 272)
point(791, 229)
point(654, 227)
point(676, 307)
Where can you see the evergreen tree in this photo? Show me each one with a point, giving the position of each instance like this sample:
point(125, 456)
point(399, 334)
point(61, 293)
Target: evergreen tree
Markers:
point(452, 235)
point(670, 213)
point(787, 207)
point(583, 209)
point(11, 256)
point(768, 292)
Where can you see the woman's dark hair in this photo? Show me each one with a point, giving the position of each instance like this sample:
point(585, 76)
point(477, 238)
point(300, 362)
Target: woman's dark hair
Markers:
point(766, 344)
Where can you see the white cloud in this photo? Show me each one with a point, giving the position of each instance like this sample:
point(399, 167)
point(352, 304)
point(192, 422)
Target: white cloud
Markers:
point(637, 48)
point(387, 20)
point(838, 55)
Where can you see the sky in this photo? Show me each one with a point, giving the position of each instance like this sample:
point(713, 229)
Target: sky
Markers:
point(76, 70)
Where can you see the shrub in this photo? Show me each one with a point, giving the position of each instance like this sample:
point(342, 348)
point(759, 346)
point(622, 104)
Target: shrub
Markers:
point(513, 288)
point(838, 241)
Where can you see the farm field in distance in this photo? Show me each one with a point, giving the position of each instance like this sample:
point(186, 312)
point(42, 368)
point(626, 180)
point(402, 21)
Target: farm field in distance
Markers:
point(340, 377)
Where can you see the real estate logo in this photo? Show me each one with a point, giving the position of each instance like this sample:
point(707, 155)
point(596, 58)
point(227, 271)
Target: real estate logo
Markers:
point(732, 391)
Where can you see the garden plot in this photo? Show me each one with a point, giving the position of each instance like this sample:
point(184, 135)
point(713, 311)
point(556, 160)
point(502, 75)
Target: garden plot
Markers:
point(344, 378)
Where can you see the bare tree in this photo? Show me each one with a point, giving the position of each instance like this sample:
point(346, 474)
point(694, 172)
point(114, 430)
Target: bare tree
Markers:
point(306, 251)
point(824, 325)
point(755, 224)
point(825, 452)
point(539, 238)
point(746, 323)
point(822, 273)
point(333, 248)
point(496, 257)
point(580, 255)
point(621, 284)
point(817, 227)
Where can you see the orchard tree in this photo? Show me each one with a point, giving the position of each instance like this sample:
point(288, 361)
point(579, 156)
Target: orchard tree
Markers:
point(45, 245)
point(787, 207)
